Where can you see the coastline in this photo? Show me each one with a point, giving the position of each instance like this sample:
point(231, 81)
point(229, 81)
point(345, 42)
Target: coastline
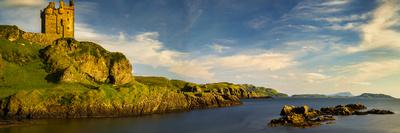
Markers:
point(11, 121)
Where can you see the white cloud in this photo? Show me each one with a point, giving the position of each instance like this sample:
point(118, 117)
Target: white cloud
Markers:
point(362, 83)
point(335, 2)
point(144, 48)
point(258, 62)
point(85, 33)
point(24, 14)
point(22, 3)
point(347, 26)
point(370, 70)
point(305, 28)
point(218, 47)
point(315, 77)
point(348, 18)
point(378, 33)
point(193, 69)
point(315, 8)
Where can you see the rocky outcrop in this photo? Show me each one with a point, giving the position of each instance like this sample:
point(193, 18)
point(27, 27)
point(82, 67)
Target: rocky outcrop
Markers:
point(11, 33)
point(304, 117)
point(84, 62)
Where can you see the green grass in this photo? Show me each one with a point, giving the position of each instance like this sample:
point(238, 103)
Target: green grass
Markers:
point(162, 82)
point(22, 68)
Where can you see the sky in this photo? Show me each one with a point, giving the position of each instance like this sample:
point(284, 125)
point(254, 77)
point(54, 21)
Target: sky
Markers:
point(294, 46)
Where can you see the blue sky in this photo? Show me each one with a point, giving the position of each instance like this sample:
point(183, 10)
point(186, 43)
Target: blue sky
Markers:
point(295, 46)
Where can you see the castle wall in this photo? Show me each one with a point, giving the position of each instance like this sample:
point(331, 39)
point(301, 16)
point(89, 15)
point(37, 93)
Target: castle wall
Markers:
point(13, 33)
point(58, 21)
point(39, 38)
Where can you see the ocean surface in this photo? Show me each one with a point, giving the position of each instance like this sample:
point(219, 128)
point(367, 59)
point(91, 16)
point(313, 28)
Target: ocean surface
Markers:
point(251, 117)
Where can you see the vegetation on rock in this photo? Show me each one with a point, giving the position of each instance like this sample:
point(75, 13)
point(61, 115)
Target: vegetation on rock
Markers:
point(84, 62)
point(222, 88)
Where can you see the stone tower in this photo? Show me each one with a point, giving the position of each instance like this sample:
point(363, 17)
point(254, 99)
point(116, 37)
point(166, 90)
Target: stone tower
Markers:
point(59, 21)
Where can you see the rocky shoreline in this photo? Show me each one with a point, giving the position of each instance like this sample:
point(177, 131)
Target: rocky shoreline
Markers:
point(14, 110)
point(24, 118)
point(304, 116)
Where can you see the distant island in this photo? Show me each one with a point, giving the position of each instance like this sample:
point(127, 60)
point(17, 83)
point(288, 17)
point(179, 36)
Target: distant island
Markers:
point(371, 95)
point(309, 96)
point(343, 95)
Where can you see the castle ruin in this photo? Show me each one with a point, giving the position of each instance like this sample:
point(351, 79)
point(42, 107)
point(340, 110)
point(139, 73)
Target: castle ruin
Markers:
point(58, 21)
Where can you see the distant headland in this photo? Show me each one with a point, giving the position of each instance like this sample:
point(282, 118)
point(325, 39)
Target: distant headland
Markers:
point(343, 95)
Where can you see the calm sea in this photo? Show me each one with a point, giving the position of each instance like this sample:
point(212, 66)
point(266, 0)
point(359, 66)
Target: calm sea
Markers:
point(252, 117)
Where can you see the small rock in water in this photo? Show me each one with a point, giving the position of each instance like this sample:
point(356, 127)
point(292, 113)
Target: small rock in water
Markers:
point(325, 118)
point(304, 116)
point(377, 111)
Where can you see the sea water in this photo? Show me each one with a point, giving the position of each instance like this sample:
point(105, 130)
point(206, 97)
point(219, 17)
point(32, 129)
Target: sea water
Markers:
point(251, 117)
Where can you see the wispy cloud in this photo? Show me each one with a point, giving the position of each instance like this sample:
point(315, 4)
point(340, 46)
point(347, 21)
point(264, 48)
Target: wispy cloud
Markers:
point(346, 18)
point(378, 32)
point(370, 70)
point(219, 47)
point(346, 27)
point(315, 77)
point(258, 23)
point(194, 11)
point(314, 8)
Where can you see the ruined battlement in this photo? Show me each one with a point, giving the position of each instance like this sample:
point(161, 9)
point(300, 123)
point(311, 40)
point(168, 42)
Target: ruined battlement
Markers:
point(59, 21)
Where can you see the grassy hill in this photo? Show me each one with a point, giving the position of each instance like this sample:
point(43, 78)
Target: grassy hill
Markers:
point(72, 79)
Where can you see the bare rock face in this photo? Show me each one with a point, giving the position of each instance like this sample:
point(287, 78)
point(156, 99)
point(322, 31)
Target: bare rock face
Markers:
point(71, 61)
point(304, 116)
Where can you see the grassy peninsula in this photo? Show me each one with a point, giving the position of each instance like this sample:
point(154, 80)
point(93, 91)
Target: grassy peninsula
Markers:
point(72, 79)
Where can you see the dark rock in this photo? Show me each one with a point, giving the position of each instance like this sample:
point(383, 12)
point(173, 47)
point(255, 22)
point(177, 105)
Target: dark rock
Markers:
point(377, 111)
point(304, 116)
point(356, 107)
point(338, 110)
point(348, 109)
point(296, 116)
point(324, 118)
point(303, 110)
